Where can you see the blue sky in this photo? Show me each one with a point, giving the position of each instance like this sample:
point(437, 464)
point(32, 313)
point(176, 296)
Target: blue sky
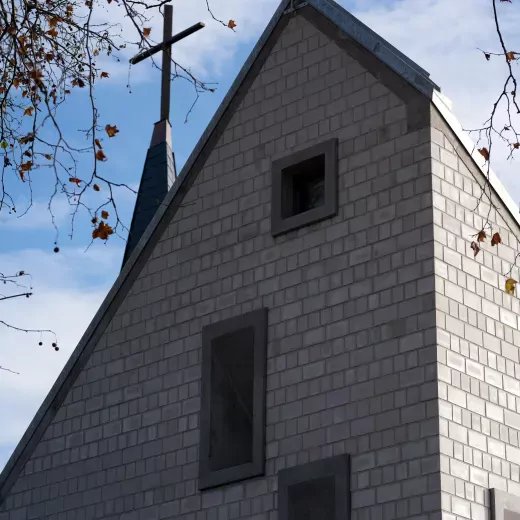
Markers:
point(441, 35)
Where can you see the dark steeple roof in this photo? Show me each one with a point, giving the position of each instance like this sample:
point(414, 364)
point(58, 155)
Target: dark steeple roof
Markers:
point(157, 179)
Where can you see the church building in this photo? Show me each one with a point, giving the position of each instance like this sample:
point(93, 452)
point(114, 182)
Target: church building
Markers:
point(300, 330)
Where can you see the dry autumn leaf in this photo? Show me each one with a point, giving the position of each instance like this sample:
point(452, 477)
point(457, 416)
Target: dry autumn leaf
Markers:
point(147, 31)
point(510, 56)
point(96, 187)
point(103, 231)
point(100, 155)
point(111, 130)
point(475, 247)
point(231, 24)
point(98, 143)
point(496, 239)
point(104, 75)
point(28, 111)
point(484, 152)
point(48, 156)
point(104, 214)
point(26, 166)
point(481, 236)
point(516, 145)
point(75, 180)
point(510, 286)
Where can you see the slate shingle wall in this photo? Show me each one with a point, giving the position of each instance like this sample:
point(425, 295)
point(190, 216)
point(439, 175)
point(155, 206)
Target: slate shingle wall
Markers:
point(352, 342)
point(478, 338)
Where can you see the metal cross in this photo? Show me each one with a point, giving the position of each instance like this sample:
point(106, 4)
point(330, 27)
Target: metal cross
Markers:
point(166, 47)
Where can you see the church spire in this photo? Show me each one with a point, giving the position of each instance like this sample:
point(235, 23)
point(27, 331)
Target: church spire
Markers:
point(159, 168)
point(158, 177)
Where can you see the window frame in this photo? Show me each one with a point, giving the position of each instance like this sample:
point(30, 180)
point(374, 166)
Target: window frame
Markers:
point(502, 502)
point(281, 225)
point(258, 321)
point(338, 467)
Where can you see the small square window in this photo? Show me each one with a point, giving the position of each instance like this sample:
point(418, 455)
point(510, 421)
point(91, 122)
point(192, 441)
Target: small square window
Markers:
point(504, 506)
point(319, 490)
point(233, 399)
point(304, 187)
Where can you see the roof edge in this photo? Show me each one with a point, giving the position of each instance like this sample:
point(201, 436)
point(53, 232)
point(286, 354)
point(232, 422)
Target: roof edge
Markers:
point(377, 45)
point(443, 105)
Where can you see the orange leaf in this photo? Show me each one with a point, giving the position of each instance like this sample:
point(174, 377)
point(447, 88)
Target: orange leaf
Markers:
point(28, 111)
point(16, 82)
point(231, 24)
point(104, 75)
point(22, 175)
point(103, 231)
point(510, 56)
point(104, 214)
point(53, 22)
point(96, 187)
point(36, 74)
point(496, 239)
point(147, 31)
point(26, 166)
point(53, 32)
point(481, 236)
point(475, 248)
point(100, 155)
point(48, 156)
point(484, 152)
point(75, 180)
point(111, 130)
point(98, 143)
point(510, 286)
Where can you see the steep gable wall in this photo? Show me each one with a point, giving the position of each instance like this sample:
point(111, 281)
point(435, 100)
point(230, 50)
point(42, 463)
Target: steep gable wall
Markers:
point(478, 336)
point(351, 352)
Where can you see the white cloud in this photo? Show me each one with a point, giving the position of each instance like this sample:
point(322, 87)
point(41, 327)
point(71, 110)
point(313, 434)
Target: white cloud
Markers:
point(38, 215)
point(207, 52)
point(68, 289)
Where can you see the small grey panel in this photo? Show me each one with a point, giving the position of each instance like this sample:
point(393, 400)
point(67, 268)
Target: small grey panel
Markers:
point(504, 506)
point(318, 490)
point(233, 399)
point(283, 175)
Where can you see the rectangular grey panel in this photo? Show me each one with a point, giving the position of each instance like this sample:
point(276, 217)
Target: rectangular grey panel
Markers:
point(319, 490)
point(233, 399)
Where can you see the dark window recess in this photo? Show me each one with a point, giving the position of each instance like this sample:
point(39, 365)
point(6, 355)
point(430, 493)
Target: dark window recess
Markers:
point(232, 376)
point(233, 399)
point(313, 500)
point(304, 187)
point(318, 490)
